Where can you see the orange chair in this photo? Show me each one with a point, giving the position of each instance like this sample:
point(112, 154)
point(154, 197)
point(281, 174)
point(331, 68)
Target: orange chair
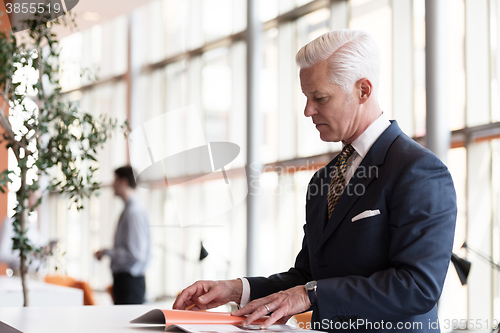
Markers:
point(303, 320)
point(67, 281)
point(3, 268)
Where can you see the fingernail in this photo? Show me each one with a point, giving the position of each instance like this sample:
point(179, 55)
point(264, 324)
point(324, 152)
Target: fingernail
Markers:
point(201, 299)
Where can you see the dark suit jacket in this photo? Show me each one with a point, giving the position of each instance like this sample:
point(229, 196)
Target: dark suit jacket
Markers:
point(385, 268)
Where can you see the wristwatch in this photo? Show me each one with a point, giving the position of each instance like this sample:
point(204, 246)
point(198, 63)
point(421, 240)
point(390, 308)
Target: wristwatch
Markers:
point(310, 288)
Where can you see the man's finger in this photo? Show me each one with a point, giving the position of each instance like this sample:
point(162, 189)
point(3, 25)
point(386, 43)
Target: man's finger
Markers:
point(252, 306)
point(260, 312)
point(211, 295)
point(275, 316)
point(186, 294)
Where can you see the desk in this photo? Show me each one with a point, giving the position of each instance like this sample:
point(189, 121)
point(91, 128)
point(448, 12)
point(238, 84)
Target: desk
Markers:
point(41, 293)
point(78, 319)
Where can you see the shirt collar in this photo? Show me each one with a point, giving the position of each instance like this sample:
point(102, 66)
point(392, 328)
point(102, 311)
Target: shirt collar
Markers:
point(366, 140)
point(130, 200)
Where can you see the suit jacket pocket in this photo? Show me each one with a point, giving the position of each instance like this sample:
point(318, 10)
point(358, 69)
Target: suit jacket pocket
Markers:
point(364, 223)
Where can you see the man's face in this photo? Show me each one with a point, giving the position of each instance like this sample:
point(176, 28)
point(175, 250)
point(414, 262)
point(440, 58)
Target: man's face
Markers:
point(335, 114)
point(117, 185)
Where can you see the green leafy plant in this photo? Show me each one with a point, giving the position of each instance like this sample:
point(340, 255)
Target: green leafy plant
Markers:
point(55, 143)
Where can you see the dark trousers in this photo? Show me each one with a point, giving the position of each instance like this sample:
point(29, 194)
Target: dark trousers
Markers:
point(128, 289)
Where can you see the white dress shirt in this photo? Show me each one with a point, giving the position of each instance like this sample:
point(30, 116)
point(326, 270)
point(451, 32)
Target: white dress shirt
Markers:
point(131, 252)
point(364, 142)
point(361, 147)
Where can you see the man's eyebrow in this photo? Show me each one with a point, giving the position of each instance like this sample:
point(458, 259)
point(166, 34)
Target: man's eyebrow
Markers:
point(313, 92)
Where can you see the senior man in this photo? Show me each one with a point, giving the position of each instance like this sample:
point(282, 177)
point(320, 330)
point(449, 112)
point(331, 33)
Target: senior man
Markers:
point(380, 217)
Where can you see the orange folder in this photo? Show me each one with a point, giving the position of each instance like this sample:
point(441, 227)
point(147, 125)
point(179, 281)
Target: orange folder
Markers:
point(171, 317)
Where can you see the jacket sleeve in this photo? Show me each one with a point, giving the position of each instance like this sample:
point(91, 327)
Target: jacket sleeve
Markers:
point(422, 215)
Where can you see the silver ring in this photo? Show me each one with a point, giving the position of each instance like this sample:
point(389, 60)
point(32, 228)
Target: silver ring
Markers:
point(265, 305)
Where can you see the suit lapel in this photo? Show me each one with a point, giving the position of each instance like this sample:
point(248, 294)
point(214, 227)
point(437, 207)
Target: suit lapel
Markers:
point(360, 180)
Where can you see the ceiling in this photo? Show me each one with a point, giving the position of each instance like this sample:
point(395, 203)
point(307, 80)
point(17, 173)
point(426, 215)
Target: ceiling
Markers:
point(107, 10)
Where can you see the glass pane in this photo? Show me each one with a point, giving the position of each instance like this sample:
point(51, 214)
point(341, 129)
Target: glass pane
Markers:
point(302, 2)
point(495, 51)
point(154, 32)
point(95, 47)
point(216, 18)
point(239, 15)
point(495, 147)
point(308, 28)
point(269, 96)
point(402, 66)
point(105, 69)
point(419, 66)
point(176, 85)
point(479, 217)
point(287, 85)
point(456, 64)
point(269, 10)
point(176, 20)
point(285, 6)
point(110, 99)
point(118, 45)
point(269, 185)
point(238, 115)
point(216, 93)
point(177, 132)
point(195, 31)
point(70, 61)
point(377, 21)
point(477, 67)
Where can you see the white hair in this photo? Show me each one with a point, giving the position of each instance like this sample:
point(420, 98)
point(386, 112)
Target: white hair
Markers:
point(351, 55)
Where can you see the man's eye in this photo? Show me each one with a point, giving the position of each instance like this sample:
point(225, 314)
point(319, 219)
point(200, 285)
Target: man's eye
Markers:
point(319, 99)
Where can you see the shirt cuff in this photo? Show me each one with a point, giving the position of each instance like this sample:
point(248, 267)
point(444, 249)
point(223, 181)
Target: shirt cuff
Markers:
point(245, 294)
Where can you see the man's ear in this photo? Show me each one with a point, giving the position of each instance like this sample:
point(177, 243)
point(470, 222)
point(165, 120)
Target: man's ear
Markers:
point(124, 182)
point(365, 89)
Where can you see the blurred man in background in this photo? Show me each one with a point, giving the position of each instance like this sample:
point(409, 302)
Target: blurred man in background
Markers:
point(132, 247)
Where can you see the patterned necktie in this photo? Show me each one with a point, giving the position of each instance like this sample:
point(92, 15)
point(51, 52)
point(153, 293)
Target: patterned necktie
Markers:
point(338, 179)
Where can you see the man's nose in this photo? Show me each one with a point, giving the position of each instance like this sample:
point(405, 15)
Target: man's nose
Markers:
point(309, 110)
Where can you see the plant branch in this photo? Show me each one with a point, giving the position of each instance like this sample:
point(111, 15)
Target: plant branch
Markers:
point(4, 120)
point(40, 74)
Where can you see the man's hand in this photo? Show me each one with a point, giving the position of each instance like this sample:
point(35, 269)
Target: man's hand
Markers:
point(283, 305)
point(99, 254)
point(204, 295)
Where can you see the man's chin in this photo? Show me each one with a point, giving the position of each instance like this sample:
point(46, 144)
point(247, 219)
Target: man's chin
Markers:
point(328, 138)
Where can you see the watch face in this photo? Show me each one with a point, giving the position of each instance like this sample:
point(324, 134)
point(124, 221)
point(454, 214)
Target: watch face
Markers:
point(311, 285)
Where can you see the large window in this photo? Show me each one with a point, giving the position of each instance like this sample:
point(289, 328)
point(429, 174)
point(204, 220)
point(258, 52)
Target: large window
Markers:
point(193, 53)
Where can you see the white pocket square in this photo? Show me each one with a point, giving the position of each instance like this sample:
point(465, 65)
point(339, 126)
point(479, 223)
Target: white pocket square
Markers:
point(365, 214)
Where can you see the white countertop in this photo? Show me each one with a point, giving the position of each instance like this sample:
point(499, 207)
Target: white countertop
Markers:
point(84, 319)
